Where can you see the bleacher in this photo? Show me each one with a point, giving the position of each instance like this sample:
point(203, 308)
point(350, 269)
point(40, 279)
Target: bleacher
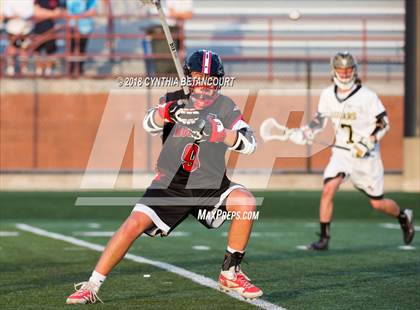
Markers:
point(250, 34)
point(257, 39)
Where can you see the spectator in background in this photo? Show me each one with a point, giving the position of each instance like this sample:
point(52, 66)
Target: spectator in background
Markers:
point(46, 11)
point(18, 24)
point(176, 11)
point(179, 11)
point(81, 27)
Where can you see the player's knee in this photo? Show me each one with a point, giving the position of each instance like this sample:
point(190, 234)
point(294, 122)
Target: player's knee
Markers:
point(376, 204)
point(241, 200)
point(133, 226)
point(249, 205)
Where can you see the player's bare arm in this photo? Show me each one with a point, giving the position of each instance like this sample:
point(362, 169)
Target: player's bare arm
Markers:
point(367, 144)
point(231, 137)
point(381, 127)
point(306, 134)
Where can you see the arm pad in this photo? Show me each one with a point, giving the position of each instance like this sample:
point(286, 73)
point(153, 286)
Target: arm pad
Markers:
point(382, 126)
point(317, 123)
point(149, 123)
point(245, 141)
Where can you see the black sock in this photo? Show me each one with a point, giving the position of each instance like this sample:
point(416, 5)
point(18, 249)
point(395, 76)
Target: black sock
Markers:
point(402, 216)
point(325, 230)
point(232, 259)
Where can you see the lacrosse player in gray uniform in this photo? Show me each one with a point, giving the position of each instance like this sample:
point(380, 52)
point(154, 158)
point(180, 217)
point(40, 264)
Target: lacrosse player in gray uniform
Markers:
point(196, 129)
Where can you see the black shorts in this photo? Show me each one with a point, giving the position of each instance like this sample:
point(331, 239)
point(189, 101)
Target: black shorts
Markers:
point(168, 207)
point(50, 47)
point(19, 42)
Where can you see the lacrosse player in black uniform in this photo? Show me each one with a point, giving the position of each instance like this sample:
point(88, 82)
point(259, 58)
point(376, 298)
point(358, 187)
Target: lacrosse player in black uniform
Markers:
point(196, 130)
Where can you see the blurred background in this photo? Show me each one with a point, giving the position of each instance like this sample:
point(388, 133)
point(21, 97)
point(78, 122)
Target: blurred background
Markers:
point(61, 60)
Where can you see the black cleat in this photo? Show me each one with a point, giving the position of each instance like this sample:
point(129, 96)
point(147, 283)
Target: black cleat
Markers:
point(407, 226)
point(320, 245)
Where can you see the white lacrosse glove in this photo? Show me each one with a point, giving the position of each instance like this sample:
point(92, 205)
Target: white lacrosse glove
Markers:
point(176, 111)
point(362, 148)
point(301, 136)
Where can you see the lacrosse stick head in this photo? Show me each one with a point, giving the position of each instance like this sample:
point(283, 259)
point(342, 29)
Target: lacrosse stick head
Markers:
point(271, 130)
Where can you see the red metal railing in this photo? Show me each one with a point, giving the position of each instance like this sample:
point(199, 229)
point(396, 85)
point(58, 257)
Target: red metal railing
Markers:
point(267, 55)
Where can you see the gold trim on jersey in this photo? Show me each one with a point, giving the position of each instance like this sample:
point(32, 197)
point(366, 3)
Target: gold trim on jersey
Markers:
point(344, 115)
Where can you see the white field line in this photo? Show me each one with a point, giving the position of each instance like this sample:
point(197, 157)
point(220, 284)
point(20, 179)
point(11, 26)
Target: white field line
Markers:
point(202, 280)
point(9, 233)
point(180, 234)
point(201, 247)
point(94, 225)
point(407, 247)
point(94, 233)
point(267, 234)
point(111, 233)
point(396, 226)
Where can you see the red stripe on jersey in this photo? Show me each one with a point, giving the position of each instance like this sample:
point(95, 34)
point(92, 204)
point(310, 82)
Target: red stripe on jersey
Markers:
point(158, 175)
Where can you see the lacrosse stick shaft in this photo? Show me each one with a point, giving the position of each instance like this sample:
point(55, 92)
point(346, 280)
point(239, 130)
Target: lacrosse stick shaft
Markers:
point(331, 145)
point(172, 46)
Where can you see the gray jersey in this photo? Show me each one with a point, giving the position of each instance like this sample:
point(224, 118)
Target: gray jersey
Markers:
point(183, 162)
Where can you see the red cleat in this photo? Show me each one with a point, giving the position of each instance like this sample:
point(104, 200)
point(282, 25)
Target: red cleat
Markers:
point(85, 294)
point(240, 283)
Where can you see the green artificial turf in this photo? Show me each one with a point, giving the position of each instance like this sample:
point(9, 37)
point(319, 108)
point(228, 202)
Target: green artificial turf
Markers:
point(364, 268)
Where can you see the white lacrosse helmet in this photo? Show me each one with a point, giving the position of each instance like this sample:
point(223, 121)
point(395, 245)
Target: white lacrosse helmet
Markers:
point(344, 60)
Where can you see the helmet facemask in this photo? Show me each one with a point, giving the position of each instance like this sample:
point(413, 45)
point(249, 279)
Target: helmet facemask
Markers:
point(202, 94)
point(206, 70)
point(341, 74)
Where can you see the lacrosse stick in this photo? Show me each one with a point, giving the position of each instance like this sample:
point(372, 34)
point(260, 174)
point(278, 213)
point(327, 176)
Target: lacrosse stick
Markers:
point(269, 126)
point(271, 130)
point(170, 41)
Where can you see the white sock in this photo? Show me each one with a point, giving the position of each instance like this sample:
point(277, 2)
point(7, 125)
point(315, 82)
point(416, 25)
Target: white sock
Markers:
point(97, 279)
point(230, 250)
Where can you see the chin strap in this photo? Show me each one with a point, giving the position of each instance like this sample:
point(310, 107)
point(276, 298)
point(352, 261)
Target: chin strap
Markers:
point(344, 86)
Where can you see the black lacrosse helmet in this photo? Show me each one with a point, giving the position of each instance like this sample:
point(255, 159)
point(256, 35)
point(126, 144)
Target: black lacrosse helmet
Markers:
point(204, 61)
